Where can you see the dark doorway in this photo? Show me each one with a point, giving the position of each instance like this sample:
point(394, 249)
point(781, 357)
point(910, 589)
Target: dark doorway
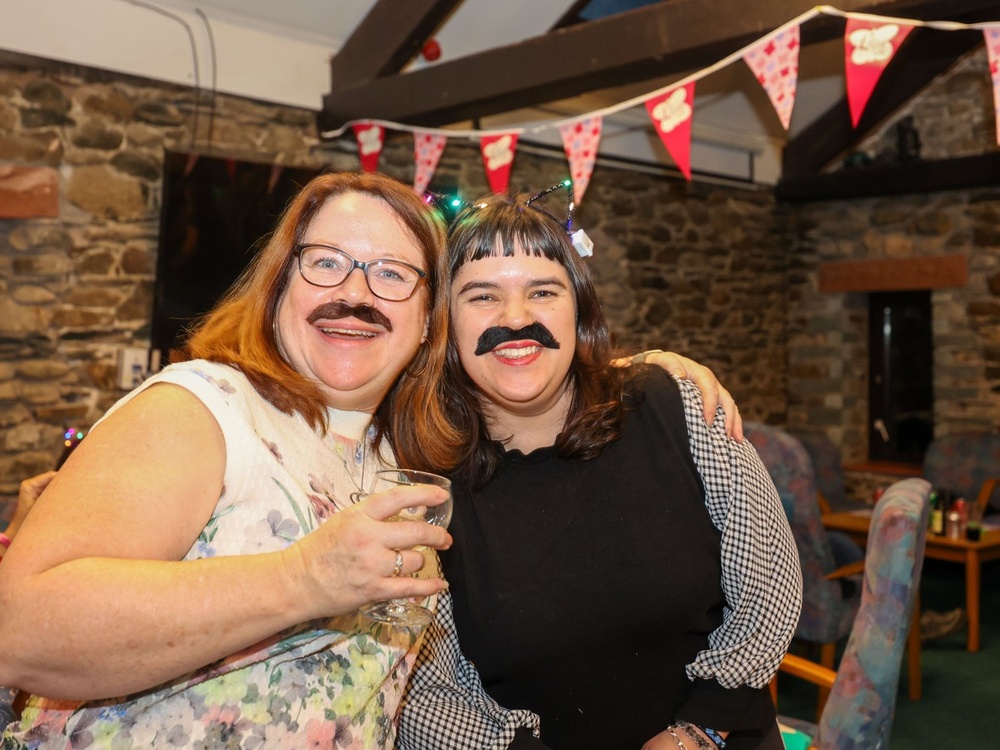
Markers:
point(901, 376)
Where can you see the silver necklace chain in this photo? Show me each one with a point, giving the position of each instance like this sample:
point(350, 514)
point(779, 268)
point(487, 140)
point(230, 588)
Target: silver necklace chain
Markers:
point(360, 494)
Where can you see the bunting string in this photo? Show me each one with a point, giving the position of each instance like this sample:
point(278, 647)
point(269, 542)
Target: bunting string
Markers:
point(870, 43)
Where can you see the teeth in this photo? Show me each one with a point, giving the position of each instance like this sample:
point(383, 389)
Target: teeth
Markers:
point(348, 332)
point(524, 351)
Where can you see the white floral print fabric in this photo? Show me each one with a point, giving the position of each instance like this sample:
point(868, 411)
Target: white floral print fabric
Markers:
point(330, 684)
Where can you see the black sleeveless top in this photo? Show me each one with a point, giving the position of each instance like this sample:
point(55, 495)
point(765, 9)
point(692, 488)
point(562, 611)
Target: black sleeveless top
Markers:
point(583, 588)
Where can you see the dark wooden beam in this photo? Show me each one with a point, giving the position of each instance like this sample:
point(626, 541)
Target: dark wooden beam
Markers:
point(926, 54)
point(572, 15)
point(655, 41)
point(387, 39)
point(920, 176)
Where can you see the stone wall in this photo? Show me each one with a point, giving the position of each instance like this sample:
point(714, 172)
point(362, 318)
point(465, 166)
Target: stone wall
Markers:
point(721, 273)
point(828, 372)
point(696, 268)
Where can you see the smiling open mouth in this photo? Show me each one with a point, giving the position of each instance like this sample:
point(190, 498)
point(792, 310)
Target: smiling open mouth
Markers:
point(349, 332)
point(517, 352)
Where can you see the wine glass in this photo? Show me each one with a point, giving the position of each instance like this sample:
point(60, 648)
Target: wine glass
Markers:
point(402, 611)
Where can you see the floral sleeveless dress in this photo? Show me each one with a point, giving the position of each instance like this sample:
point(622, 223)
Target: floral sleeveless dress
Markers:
point(330, 684)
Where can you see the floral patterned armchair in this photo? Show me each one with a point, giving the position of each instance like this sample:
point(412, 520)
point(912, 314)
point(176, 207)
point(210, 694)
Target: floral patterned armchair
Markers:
point(827, 465)
point(967, 465)
point(828, 608)
point(862, 699)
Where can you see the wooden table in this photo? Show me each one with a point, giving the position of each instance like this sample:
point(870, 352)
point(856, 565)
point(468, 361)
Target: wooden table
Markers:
point(972, 554)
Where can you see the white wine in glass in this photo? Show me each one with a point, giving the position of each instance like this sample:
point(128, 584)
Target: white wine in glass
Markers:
point(403, 612)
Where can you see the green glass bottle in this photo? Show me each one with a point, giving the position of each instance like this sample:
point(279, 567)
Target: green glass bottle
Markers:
point(937, 512)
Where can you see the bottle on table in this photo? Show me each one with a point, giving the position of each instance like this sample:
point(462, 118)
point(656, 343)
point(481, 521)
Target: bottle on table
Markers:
point(936, 518)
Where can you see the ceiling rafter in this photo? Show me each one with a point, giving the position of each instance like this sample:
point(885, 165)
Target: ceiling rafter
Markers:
point(388, 37)
point(925, 55)
point(652, 42)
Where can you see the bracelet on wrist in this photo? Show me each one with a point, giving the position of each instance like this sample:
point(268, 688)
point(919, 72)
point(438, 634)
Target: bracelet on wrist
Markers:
point(4, 540)
point(672, 729)
point(692, 730)
point(715, 737)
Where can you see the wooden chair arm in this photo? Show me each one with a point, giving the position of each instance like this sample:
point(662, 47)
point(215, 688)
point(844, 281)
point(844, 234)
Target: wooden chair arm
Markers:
point(810, 671)
point(824, 504)
point(985, 492)
point(851, 569)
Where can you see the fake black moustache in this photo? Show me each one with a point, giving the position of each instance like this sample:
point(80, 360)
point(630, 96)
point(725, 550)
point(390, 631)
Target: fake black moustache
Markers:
point(491, 338)
point(338, 310)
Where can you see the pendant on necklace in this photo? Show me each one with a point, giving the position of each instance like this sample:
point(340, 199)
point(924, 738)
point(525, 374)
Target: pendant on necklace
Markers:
point(360, 453)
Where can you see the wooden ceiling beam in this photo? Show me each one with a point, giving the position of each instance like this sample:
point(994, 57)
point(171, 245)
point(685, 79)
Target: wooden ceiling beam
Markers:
point(654, 41)
point(388, 37)
point(926, 54)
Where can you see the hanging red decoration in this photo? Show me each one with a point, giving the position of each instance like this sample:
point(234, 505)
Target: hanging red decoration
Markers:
point(431, 50)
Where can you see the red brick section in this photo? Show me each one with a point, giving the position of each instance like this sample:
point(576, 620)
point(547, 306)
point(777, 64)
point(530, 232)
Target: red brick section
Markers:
point(28, 192)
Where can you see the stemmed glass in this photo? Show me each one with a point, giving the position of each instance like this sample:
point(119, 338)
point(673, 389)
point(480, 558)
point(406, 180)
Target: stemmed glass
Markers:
point(403, 612)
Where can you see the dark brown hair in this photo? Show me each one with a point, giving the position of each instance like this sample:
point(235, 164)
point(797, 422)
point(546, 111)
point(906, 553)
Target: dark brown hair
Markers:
point(597, 411)
point(239, 330)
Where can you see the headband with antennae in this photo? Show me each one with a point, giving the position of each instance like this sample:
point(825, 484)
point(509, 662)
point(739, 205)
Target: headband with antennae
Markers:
point(581, 242)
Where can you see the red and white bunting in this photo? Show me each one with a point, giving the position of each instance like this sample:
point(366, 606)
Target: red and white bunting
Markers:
point(580, 141)
point(671, 113)
point(868, 47)
point(870, 43)
point(498, 156)
point(992, 35)
point(775, 63)
point(370, 139)
point(427, 150)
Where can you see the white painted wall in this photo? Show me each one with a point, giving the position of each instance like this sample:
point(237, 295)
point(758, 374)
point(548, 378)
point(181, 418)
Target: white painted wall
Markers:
point(273, 64)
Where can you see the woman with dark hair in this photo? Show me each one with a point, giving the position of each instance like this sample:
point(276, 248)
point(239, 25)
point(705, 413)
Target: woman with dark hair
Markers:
point(192, 576)
point(621, 569)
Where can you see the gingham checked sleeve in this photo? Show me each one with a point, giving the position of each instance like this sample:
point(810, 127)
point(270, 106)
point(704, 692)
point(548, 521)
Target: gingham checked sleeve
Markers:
point(446, 706)
point(761, 577)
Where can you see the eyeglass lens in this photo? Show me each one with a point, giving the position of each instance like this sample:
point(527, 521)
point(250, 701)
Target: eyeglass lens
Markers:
point(328, 266)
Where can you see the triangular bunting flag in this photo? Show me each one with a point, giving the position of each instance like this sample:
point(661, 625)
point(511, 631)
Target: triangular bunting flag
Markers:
point(580, 141)
point(498, 155)
point(189, 165)
point(370, 138)
point(427, 150)
point(671, 114)
point(868, 47)
point(775, 62)
point(992, 35)
point(231, 169)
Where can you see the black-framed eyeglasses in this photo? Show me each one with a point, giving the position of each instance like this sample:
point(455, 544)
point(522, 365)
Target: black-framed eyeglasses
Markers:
point(326, 266)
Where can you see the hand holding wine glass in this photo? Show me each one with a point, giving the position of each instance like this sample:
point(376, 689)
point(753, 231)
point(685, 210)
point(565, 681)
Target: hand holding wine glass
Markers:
point(349, 560)
point(401, 611)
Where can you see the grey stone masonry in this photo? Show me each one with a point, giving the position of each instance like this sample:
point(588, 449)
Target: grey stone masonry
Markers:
point(721, 273)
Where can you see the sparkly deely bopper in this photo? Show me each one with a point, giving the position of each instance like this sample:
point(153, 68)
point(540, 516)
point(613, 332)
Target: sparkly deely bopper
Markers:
point(450, 207)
